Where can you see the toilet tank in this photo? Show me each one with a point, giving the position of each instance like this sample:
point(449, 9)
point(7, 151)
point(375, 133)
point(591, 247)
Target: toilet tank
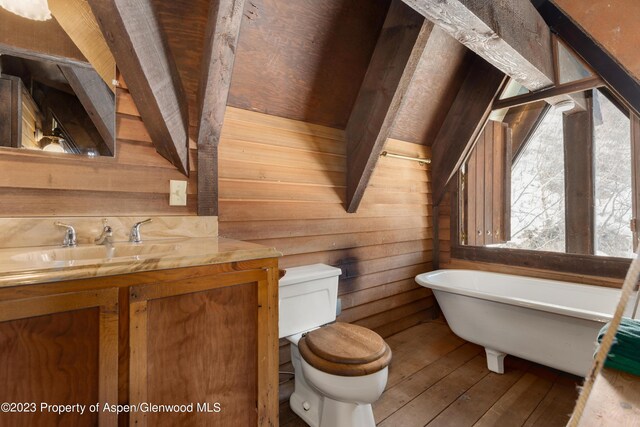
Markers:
point(307, 298)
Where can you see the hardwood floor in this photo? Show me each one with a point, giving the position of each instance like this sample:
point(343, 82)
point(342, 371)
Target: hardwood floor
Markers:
point(438, 379)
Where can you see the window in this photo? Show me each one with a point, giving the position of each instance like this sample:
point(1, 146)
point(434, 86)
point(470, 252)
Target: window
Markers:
point(537, 190)
point(570, 180)
point(613, 194)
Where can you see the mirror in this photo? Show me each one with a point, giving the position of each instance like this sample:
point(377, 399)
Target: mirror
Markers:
point(48, 106)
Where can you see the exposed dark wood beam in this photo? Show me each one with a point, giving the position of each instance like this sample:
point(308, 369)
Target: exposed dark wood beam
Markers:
point(137, 42)
point(223, 29)
point(464, 122)
point(563, 89)
point(510, 34)
point(41, 56)
point(97, 99)
point(579, 187)
point(400, 45)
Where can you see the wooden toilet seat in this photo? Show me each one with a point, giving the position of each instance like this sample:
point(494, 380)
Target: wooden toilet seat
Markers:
point(345, 349)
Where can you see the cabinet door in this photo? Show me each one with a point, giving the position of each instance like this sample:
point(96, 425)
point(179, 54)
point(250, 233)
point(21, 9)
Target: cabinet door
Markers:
point(196, 343)
point(59, 349)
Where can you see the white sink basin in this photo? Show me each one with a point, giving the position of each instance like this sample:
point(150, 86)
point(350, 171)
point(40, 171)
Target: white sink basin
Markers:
point(96, 253)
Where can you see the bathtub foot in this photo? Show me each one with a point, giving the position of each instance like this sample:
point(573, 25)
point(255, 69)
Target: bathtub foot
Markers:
point(495, 360)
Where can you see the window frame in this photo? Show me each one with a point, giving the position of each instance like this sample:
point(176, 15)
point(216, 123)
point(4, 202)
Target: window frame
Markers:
point(591, 265)
point(583, 264)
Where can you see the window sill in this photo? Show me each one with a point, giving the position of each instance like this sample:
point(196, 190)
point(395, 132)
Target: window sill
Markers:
point(567, 263)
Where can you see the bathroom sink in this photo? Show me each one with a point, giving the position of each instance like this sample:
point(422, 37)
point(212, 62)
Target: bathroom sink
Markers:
point(94, 253)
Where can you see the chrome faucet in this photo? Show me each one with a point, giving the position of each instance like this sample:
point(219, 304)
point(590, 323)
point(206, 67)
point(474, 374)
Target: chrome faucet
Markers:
point(106, 237)
point(70, 238)
point(134, 236)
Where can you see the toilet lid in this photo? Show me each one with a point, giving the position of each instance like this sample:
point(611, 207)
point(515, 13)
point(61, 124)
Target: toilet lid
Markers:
point(346, 343)
point(346, 350)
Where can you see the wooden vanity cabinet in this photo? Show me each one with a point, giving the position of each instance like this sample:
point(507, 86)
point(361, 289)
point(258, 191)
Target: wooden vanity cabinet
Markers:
point(205, 336)
point(57, 348)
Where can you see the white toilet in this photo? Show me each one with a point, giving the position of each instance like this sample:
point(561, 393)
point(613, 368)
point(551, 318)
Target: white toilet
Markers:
point(340, 369)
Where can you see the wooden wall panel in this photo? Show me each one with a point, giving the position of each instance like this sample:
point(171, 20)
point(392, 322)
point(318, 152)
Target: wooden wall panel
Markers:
point(282, 184)
point(134, 182)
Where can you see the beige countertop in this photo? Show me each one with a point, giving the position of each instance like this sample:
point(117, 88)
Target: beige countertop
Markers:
point(23, 266)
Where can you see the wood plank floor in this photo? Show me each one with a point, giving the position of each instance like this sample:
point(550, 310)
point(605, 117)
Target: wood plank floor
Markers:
point(438, 379)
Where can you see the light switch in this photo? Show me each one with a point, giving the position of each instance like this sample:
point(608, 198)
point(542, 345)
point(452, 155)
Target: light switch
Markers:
point(177, 193)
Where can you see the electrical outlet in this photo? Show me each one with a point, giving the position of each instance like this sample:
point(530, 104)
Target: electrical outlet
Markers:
point(177, 193)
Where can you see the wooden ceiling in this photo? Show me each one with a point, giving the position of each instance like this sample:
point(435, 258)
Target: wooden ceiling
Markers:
point(184, 24)
point(306, 60)
point(436, 83)
point(612, 24)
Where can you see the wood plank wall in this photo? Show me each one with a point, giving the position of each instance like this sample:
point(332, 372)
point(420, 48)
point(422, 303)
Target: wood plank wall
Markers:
point(282, 184)
point(135, 182)
point(447, 261)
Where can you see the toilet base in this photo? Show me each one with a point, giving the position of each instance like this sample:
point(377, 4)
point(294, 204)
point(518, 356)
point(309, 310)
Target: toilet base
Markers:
point(305, 401)
point(341, 414)
point(321, 411)
point(303, 407)
point(331, 413)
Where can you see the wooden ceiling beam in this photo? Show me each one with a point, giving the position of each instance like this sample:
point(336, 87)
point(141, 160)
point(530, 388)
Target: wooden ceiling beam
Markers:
point(134, 35)
point(77, 20)
point(394, 61)
point(463, 123)
point(96, 98)
point(587, 83)
point(509, 34)
point(223, 29)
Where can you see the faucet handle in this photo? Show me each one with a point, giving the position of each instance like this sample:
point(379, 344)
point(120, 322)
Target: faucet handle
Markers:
point(137, 224)
point(134, 236)
point(70, 238)
point(105, 226)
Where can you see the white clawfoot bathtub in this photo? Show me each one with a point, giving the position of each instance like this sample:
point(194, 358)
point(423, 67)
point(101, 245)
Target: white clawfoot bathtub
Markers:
point(549, 322)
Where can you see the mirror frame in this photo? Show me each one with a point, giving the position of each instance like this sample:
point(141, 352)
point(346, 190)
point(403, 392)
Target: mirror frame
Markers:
point(69, 64)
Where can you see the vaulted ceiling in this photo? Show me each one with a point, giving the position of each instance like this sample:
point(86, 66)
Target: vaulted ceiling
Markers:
point(306, 60)
point(313, 61)
point(613, 24)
